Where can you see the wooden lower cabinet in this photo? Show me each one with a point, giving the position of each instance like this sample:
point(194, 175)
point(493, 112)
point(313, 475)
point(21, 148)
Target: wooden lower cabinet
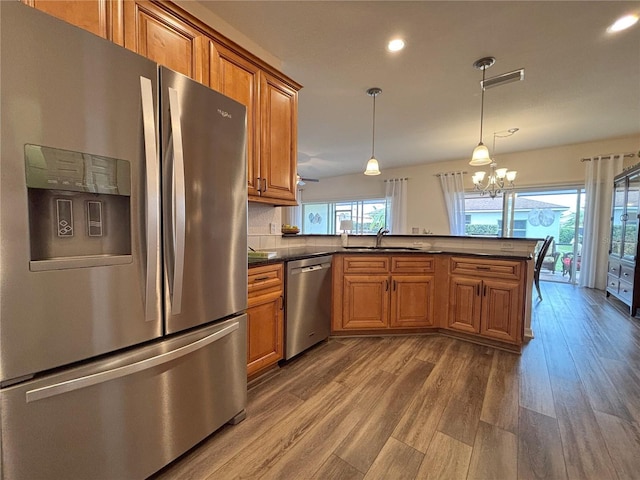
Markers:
point(412, 298)
point(373, 293)
point(491, 308)
point(265, 318)
point(365, 301)
point(482, 298)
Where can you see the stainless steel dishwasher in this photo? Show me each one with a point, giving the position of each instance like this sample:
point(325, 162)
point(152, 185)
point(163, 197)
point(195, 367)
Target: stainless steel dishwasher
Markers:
point(308, 298)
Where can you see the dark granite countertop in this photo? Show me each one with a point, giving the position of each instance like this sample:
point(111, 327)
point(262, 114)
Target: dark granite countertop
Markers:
point(298, 253)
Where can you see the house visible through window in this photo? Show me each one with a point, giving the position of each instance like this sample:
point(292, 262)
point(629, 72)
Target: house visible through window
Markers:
point(368, 216)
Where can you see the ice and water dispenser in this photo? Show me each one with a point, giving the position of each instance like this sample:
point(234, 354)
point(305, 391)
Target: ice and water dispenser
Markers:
point(79, 209)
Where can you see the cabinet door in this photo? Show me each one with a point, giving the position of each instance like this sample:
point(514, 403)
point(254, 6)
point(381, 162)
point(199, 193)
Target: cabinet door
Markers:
point(164, 38)
point(630, 241)
point(365, 301)
point(465, 302)
point(412, 301)
point(500, 309)
point(278, 148)
point(237, 78)
point(92, 15)
point(617, 217)
point(264, 333)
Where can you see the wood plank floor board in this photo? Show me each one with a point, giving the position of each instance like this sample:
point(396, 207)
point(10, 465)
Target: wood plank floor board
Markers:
point(308, 454)
point(535, 387)
point(626, 381)
point(598, 386)
point(396, 461)
point(446, 458)
point(336, 468)
point(495, 454)
point(433, 346)
point(461, 416)
point(420, 421)
point(447, 400)
point(501, 399)
point(268, 448)
point(623, 443)
point(365, 441)
point(396, 361)
point(539, 447)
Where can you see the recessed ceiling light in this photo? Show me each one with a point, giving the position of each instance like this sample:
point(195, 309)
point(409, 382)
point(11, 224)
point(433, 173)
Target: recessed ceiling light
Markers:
point(395, 45)
point(623, 23)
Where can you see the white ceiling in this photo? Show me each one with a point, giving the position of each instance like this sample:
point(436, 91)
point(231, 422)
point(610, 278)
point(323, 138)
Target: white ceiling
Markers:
point(581, 83)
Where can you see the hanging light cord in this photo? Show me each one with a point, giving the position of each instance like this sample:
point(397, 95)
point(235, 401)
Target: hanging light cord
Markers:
point(373, 138)
point(484, 69)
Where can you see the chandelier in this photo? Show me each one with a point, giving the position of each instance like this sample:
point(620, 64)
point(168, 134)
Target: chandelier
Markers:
point(500, 179)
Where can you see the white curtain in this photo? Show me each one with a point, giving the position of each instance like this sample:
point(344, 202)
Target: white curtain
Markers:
point(453, 189)
point(597, 217)
point(396, 195)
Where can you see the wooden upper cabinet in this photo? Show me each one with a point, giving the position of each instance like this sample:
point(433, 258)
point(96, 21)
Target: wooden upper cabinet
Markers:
point(278, 147)
point(101, 17)
point(237, 78)
point(165, 38)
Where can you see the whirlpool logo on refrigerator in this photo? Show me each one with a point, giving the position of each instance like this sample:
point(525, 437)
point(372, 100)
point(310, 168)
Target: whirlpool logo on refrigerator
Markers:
point(224, 114)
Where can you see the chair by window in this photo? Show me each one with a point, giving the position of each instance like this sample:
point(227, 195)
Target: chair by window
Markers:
point(550, 260)
point(542, 253)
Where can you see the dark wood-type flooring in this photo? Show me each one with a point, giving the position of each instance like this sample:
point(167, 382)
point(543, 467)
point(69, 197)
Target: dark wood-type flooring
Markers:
point(439, 408)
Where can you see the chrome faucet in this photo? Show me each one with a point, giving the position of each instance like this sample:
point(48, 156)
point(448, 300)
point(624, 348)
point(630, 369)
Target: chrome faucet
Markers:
point(379, 235)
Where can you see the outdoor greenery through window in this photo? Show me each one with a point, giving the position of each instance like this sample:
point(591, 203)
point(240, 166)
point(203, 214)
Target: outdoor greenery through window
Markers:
point(368, 216)
point(534, 214)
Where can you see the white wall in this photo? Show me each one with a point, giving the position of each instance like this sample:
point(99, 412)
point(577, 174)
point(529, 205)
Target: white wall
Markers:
point(551, 166)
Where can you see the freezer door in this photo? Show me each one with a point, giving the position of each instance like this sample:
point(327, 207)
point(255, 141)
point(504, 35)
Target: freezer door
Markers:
point(204, 202)
point(62, 299)
point(126, 416)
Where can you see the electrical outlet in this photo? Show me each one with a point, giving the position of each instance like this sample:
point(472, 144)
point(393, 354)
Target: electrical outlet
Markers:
point(506, 246)
point(273, 228)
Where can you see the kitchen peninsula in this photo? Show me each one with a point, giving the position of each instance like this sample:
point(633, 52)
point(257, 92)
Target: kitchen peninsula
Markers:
point(475, 288)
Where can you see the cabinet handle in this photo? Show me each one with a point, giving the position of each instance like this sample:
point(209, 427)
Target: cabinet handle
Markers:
point(386, 287)
point(258, 184)
point(264, 182)
point(394, 285)
point(478, 290)
point(480, 267)
point(281, 302)
point(484, 293)
point(260, 279)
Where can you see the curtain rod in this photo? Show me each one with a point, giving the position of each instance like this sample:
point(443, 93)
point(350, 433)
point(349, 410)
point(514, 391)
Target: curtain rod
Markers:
point(395, 179)
point(448, 173)
point(609, 155)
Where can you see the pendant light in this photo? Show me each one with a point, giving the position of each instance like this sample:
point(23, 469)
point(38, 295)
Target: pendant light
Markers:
point(481, 152)
point(372, 164)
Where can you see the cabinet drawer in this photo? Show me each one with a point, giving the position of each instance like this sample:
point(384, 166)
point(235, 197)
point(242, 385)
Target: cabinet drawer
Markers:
point(366, 264)
point(614, 267)
point(486, 268)
point(625, 291)
point(626, 272)
point(265, 278)
point(412, 264)
point(613, 282)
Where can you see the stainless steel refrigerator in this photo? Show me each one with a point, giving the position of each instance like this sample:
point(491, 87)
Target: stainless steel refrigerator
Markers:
point(123, 212)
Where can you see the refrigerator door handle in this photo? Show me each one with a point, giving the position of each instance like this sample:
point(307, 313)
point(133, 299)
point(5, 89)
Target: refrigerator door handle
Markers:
point(102, 377)
point(152, 199)
point(178, 202)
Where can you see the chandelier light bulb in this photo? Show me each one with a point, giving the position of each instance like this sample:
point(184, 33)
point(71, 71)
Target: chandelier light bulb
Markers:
point(511, 176)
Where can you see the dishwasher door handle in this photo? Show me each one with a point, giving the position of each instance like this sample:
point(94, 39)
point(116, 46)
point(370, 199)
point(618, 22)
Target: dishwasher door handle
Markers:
point(311, 268)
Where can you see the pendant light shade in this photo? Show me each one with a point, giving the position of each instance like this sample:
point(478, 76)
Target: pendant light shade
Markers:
point(372, 165)
point(480, 154)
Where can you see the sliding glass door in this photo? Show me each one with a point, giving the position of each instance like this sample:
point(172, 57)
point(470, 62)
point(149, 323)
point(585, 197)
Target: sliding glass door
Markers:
point(535, 213)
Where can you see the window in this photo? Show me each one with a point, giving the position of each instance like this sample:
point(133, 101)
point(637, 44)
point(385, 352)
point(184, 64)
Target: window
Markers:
point(368, 216)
